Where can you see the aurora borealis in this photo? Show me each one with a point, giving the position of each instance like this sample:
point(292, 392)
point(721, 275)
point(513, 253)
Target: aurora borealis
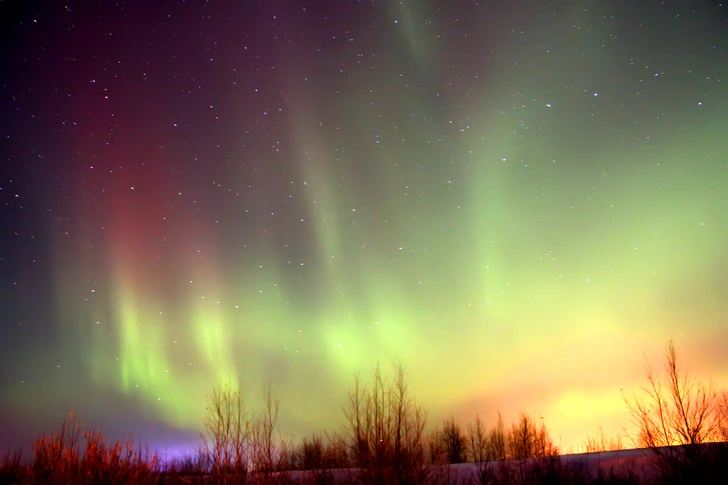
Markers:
point(519, 200)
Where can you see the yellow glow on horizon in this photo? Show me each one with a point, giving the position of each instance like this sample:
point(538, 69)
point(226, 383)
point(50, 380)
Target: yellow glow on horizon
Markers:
point(487, 234)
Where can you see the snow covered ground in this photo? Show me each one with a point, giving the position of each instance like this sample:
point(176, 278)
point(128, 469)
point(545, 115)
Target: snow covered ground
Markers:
point(617, 462)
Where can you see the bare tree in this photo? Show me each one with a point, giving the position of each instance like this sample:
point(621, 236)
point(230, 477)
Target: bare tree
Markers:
point(436, 454)
point(336, 451)
point(543, 445)
point(528, 440)
point(384, 427)
point(678, 411)
point(226, 432)
point(454, 441)
point(312, 449)
point(723, 416)
point(266, 446)
point(480, 450)
point(498, 440)
point(477, 441)
point(675, 410)
point(600, 442)
point(521, 438)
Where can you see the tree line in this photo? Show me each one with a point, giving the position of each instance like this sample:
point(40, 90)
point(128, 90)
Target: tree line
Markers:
point(680, 422)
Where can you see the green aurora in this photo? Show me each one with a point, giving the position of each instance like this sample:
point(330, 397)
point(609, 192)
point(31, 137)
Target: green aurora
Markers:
point(521, 217)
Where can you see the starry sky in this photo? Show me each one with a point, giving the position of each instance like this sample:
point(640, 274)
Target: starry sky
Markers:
point(519, 200)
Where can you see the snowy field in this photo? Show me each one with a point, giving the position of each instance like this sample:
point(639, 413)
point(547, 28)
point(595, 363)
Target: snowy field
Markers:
point(588, 464)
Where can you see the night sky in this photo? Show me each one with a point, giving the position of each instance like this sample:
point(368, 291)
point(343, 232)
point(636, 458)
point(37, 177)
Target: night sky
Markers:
point(520, 200)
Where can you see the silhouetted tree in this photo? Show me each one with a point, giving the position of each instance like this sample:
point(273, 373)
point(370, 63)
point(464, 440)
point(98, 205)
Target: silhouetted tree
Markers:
point(384, 428)
point(723, 416)
point(477, 441)
point(227, 430)
point(521, 438)
point(527, 440)
point(313, 452)
point(268, 450)
point(454, 441)
point(600, 442)
point(336, 451)
point(436, 448)
point(675, 410)
point(498, 440)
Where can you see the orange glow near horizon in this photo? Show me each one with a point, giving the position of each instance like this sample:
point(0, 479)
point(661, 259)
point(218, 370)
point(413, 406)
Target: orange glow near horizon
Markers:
point(523, 207)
